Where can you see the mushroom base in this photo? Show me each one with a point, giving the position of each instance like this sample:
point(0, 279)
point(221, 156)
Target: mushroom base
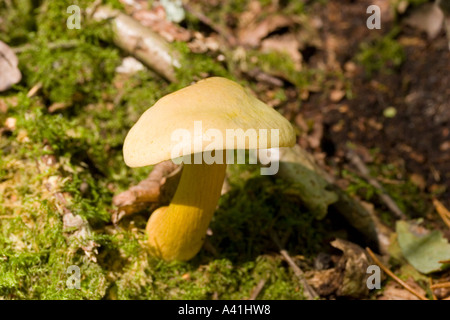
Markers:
point(177, 231)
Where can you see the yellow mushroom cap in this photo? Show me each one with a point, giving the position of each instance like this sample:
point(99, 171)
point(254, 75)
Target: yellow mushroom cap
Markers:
point(220, 104)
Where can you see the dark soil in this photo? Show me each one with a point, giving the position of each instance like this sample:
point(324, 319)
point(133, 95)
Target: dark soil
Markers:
point(418, 137)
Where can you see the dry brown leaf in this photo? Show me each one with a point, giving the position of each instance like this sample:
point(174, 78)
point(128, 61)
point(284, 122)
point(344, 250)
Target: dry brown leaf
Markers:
point(131, 5)
point(202, 44)
point(156, 20)
point(325, 282)
point(286, 43)
point(428, 18)
point(252, 34)
point(337, 95)
point(250, 15)
point(9, 74)
point(354, 262)
point(394, 291)
point(347, 278)
point(152, 192)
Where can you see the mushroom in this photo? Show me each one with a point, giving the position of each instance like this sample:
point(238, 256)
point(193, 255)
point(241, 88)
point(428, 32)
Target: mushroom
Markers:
point(190, 124)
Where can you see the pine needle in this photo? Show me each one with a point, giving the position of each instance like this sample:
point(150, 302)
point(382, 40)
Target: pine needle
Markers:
point(440, 285)
point(443, 211)
point(392, 275)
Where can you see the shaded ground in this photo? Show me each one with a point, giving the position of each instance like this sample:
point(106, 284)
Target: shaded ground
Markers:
point(418, 136)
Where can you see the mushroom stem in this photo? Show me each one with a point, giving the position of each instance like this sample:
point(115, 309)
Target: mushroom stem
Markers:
point(177, 231)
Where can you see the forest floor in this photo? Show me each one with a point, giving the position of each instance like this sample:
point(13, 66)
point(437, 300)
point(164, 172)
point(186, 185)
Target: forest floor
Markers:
point(380, 96)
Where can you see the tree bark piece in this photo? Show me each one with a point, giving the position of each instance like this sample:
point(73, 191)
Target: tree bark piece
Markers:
point(141, 42)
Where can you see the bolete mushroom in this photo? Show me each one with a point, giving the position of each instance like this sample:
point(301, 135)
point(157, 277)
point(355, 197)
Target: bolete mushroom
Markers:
point(192, 123)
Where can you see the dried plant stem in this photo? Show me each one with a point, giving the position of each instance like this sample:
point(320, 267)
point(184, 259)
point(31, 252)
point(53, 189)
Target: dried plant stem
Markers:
point(430, 283)
point(442, 211)
point(391, 274)
point(440, 285)
point(309, 291)
point(69, 44)
point(257, 290)
point(222, 31)
point(364, 172)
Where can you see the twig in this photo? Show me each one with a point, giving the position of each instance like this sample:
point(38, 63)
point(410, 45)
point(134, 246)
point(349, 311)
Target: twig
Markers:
point(430, 282)
point(310, 292)
point(312, 295)
point(52, 45)
point(257, 290)
point(390, 273)
point(141, 42)
point(440, 285)
point(225, 33)
point(34, 90)
point(442, 211)
point(359, 164)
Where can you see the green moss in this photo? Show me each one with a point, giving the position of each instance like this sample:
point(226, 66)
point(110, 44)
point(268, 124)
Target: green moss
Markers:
point(255, 211)
point(200, 66)
point(86, 138)
point(406, 195)
point(383, 54)
point(18, 20)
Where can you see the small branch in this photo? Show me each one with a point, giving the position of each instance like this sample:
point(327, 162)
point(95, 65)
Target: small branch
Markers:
point(152, 192)
point(309, 291)
point(257, 290)
point(392, 275)
point(364, 171)
point(442, 211)
point(34, 90)
point(430, 283)
point(223, 32)
point(440, 285)
point(141, 42)
point(52, 46)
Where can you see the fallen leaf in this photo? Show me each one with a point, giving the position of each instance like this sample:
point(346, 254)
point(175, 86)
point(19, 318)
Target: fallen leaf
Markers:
point(325, 282)
point(428, 18)
point(393, 291)
point(252, 34)
point(337, 95)
point(286, 43)
point(298, 166)
point(9, 74)
point(157, 21)
point(421, 248)
point(355, 264)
